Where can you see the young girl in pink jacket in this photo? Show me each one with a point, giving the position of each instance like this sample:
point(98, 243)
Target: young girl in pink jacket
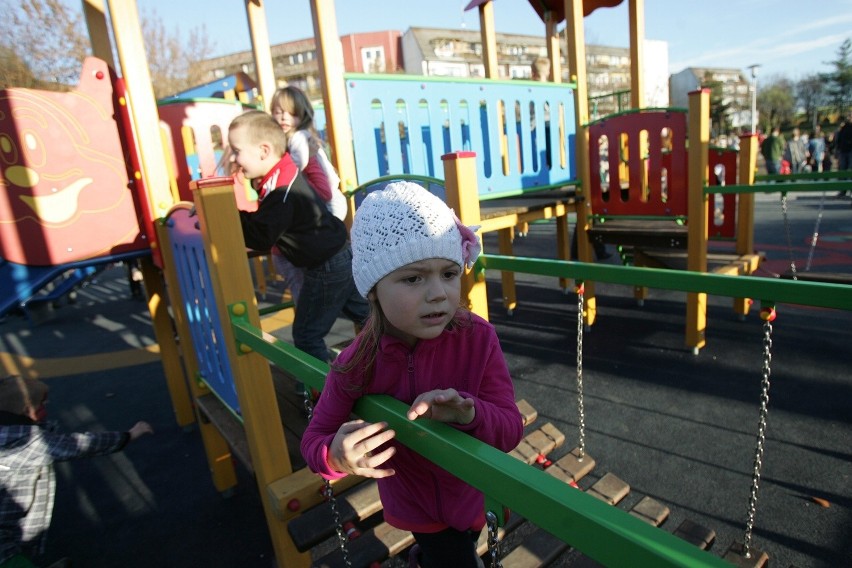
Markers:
point(421, 347)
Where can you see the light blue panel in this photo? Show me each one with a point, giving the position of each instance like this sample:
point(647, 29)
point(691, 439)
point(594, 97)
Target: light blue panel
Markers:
point(424, 118)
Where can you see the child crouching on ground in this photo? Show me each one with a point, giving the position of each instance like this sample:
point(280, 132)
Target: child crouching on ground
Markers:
point(28, 450)
point(421, 347)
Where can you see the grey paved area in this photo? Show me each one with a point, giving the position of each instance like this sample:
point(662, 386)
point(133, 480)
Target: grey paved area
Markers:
point(677, 427)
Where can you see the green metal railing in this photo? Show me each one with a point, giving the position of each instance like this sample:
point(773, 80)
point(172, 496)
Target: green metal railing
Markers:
point(605, 533)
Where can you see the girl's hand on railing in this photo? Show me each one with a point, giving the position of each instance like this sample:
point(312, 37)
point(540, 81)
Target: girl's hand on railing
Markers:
point(351, 450)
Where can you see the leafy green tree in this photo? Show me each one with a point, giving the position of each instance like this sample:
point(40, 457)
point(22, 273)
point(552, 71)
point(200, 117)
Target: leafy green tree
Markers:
point(811, 96)
point(776, 104)
point(839, 81)
point(720, 106)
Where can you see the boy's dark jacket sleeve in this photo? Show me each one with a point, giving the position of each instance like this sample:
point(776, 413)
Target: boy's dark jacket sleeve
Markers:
point(297, 222)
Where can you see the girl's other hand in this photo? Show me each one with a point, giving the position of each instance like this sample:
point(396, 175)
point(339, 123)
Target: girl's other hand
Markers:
point(443, 405)
point(352, 448)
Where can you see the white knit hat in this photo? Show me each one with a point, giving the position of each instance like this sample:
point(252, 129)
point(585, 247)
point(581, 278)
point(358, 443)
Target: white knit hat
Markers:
point(401, 224)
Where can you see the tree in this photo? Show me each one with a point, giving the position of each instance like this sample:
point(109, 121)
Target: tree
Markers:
point(811, 96)
point(839, 86)
point(14, 72)
point(43, 44)
point(720, 106)
point(46, 37)
point(776, 104)
point(174, 65)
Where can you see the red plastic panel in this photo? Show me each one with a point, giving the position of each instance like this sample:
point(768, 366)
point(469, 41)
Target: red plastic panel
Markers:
point(655, 175)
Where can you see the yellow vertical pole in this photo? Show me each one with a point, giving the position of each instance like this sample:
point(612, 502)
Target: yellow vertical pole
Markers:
point(553, 51)
point(745, 209)
point(215, 447)
point(94, 12)
point(259, 34)
point(463, 198)
point(576, 48)
point(143, 106)
point(745, 201)
point(330, 59)
point(699, 145)
point(637, 48)
point(130, 47)
point(489, 40)
point(223, 243)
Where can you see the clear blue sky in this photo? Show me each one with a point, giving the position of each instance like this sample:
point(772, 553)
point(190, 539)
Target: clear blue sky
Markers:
point(786, 37)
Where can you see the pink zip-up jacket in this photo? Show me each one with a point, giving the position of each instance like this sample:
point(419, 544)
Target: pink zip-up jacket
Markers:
point(422, 497)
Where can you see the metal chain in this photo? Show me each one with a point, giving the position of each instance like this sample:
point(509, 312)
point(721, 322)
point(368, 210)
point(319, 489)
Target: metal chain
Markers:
point(815, 236)
point(493, 540)
point(787, 231)
point(761, 431)
point(328, 493)
point(580, 411)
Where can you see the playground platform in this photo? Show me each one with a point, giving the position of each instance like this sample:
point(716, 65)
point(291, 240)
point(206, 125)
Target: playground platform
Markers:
point(677, 427)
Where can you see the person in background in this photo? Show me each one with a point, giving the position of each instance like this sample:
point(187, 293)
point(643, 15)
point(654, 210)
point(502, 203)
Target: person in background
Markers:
point(28, 449)
point(294, 112)
point(422, 348)
point(816, 149)
point(796, 152)
point(772, 149)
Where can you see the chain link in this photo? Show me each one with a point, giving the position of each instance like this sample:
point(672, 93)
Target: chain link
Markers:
point(789, 239)
point(328, 493)
point(761, 436)
point(815, 236)
point(493, 540)
point(580, 410)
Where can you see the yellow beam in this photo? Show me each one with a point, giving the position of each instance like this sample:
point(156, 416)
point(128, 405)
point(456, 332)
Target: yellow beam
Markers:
point(699, 145)
point(134, 68)
point(576, 49)
point(259, 34)
point(94, 12)
point(637, 49)
point(489, 40)
point(330, 59)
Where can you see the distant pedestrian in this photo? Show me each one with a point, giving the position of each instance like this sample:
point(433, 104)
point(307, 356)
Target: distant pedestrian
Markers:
point(816, 149)
point(796, 153)
point(772, 149)
point(843, 147)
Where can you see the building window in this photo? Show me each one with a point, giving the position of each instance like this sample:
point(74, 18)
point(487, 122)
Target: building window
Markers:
point(373, 59)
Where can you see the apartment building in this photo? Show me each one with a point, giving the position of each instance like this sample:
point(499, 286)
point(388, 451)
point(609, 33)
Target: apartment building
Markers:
point(455, 53)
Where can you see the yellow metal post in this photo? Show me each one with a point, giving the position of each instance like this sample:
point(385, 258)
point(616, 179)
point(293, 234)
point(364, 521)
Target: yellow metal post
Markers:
point(575, 37)
point(143, 106)
point(259, 34)
point(553, 51)
point(330, 58)
point(463, 198)
point(489, 40)
point(699, 145)
point(637, 48)
point(94, 12)
point(745, 209)
point(223, 243)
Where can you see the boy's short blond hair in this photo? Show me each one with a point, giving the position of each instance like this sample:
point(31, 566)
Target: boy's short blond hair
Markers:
point(261, 127)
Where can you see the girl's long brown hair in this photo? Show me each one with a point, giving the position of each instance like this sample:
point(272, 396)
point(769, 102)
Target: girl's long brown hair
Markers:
point(369, 338)
point(294, 101)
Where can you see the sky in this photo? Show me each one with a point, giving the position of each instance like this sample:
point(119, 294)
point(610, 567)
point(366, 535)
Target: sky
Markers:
point(785, 37)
